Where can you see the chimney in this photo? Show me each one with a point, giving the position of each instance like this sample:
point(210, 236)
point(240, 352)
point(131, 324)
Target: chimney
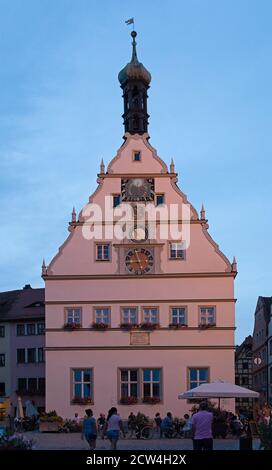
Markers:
point(27, 286)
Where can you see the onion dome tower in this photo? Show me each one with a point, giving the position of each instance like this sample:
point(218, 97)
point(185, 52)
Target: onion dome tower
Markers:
point(134, 79)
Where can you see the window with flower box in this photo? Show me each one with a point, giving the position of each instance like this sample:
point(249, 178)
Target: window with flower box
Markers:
point(82, 386)
point(207, 316)
point(129, 392)
point(152, 386)
point(151, 315)
point(73, 317)
point(129, 315)
point(102, 316)
point(178, 316)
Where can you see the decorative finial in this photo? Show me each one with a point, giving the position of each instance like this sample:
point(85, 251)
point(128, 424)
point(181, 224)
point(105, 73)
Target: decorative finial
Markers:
point(134, 57)
point(44, 269)
point(234, 265)
point(172, 166)
point(73, 215)
point(203, 213)
point(102, 167)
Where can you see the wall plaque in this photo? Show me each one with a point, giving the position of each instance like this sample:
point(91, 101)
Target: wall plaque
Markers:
point(139, 338)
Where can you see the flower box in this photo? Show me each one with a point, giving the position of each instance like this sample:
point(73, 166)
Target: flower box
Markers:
point(129, 326)
point(205, 326)
point(81, 401)
point(151, 400)
point(177, 326)
point(100, 326)
point(48, 426)
point(149, 326)
point(128, 400)
point(71, 326)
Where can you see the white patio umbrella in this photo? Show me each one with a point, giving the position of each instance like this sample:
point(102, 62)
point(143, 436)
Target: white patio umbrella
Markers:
point(19, 409)
point(218, 390)
point(30, 409)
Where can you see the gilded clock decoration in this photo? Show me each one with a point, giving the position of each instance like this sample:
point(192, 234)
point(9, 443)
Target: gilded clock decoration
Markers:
point(139, 261)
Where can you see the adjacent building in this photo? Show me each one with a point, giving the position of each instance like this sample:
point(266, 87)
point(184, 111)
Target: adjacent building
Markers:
point(22, 341)
point(243, 373)
point(133, 317)
point(261, 348)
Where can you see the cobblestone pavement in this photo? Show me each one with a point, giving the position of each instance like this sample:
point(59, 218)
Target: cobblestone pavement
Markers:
point(51, 441)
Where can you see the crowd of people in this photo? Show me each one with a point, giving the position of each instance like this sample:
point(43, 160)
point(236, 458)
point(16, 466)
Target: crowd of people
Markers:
point(204, 424)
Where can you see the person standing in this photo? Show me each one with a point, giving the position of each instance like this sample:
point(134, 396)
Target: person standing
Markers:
point(89, 429)
point(113, 427)
point(158, 422)
point(202, 428)
point(167, 425)
point(132, 424)
point(101, 423)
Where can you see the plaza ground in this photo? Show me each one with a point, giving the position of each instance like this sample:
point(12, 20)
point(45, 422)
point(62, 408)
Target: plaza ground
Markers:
point(72, 441)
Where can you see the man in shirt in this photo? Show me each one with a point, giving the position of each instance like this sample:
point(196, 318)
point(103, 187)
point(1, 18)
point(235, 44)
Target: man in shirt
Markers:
point(202, 428)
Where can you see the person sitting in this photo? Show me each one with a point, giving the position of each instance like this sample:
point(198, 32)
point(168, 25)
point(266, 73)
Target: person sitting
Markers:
point(158, 422)
point(167, 425)
point(187, 427)
point(132, 424)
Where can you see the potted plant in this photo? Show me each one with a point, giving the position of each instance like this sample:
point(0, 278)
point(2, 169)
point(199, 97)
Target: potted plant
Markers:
point(205, 326)
point(151, 400)
point(81, 401)
point(71, 326)
point(50, 422)
point(149, 326)
point(129, 326)
point(15, 442)
point(100, 326)
point(128, 400)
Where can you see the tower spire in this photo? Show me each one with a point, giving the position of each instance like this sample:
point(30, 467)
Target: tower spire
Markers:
point(134, 79)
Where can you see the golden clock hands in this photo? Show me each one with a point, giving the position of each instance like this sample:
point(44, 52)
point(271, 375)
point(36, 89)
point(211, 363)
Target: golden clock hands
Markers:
point(138, 259)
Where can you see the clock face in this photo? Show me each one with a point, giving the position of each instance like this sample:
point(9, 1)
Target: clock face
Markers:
point(139, 261)
point(138, 189)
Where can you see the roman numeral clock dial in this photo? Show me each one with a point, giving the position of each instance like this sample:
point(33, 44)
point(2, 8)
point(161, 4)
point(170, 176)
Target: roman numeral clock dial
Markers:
point(139, 261)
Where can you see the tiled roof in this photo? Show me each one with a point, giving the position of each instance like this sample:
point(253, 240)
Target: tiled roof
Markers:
point(246, 344)
point(22, 304)
point(266, 302)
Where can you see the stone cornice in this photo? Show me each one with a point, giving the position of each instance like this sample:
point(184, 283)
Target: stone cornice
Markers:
point(139, 301)
point(59, 277)
point(127, 348)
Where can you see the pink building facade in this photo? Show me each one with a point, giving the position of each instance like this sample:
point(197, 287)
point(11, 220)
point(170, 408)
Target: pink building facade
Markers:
point(138, 309)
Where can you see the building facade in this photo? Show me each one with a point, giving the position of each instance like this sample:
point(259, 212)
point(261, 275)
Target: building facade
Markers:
point(260, 348)
point(136, 314)
point(22, 341)
point(269, 357)
point(243, 373)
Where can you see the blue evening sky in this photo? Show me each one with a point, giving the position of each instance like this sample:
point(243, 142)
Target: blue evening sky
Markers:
point(210, 107)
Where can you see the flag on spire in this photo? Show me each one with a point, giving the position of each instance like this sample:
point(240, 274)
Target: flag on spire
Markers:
point(130, 21)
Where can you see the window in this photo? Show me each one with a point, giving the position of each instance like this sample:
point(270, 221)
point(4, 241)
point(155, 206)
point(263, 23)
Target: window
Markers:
point(244, 380)
point(151, 315)
point(116, 200)
point(152, 383)
point(270, 347)
point(2, 331)
point(198, 376)
point(31, 355)
point(30, 329)
point(40, 328)
point(2, 389)
point(32, 385)
point(2, 360)
point(270, 375)
point(178, 315)
point(22, 384)
point(40, 355)
point(41, 384)
point(245, 365)
point(129, 383)
point(102, 315)
point(103, 252)
point(207, 315)
point(136, 156)
point(159, 199)
point(129, 315)
point(177, 250)
point(21, 356)
point(73, 315)
point(20, 329)
point(83, 383)
point(237, 380)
